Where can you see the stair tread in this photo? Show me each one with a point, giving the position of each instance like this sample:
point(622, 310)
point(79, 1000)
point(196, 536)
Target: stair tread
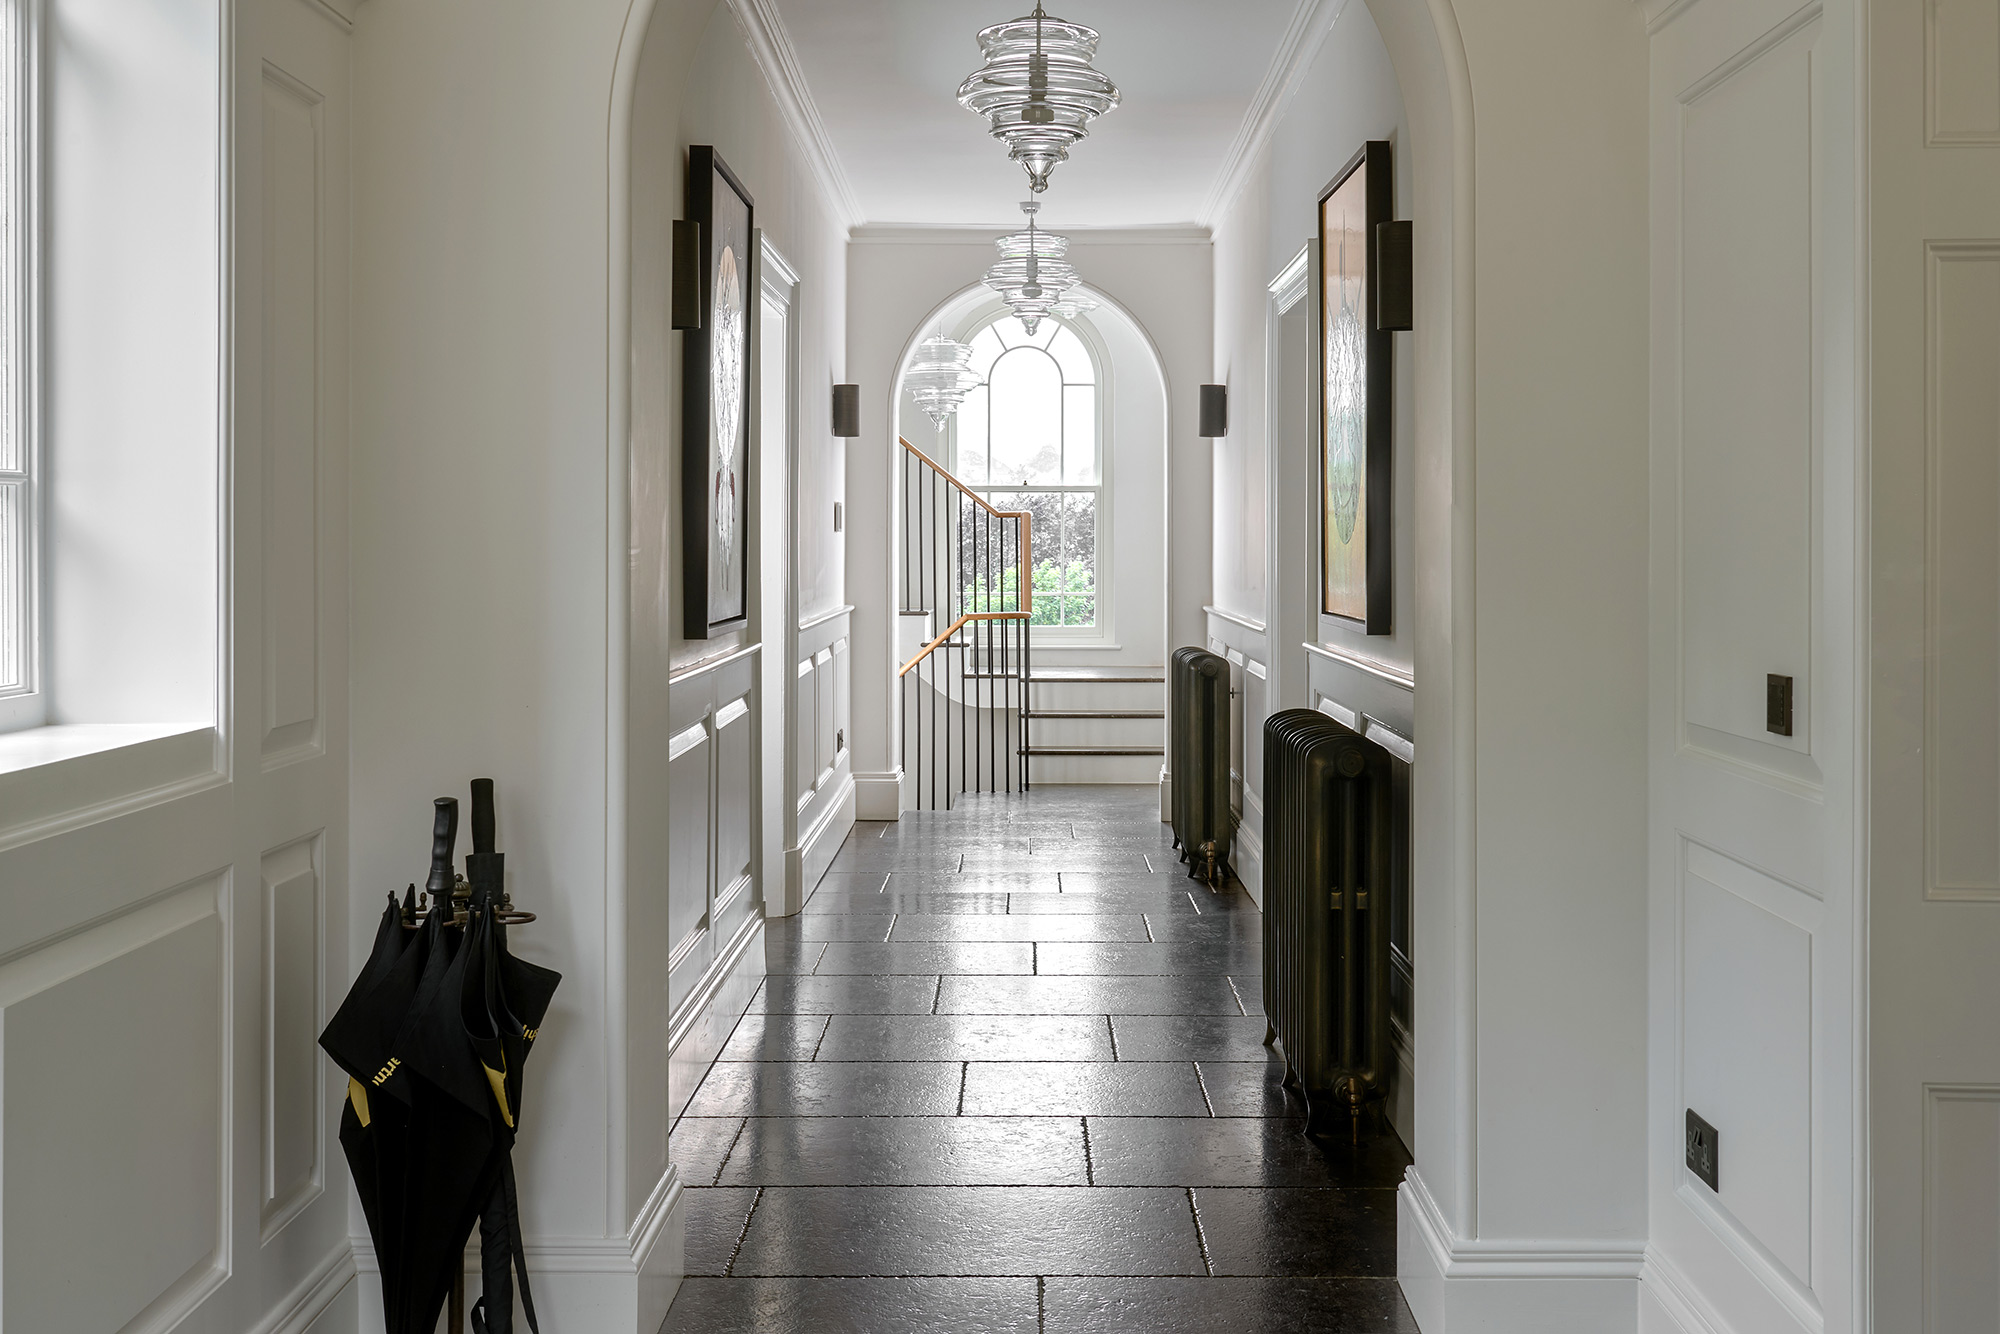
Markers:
point(1092, 750)
point(1096, 675)
point(1098, 713)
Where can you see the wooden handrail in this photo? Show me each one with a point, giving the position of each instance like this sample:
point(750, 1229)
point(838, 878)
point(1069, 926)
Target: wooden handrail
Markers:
point(1024, 576)
point(974, 496)
point(954, 628)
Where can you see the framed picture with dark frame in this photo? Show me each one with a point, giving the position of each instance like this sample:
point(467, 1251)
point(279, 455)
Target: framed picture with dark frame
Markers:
point(1355, 388)
point(715, 401)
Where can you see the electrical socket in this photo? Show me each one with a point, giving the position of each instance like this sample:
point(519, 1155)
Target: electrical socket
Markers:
point(1704, 1150)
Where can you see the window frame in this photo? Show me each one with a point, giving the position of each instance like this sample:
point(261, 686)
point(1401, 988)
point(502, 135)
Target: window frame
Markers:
point(24, 704)
point(1099, 634)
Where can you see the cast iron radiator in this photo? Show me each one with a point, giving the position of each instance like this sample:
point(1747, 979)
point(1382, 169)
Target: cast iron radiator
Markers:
point(1326, 935)
point(1198, 759)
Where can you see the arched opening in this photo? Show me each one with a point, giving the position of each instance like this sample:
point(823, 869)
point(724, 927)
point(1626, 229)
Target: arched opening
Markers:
point(1069, 428)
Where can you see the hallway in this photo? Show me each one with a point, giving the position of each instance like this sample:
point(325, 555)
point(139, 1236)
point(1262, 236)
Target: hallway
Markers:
point(1007, 1074)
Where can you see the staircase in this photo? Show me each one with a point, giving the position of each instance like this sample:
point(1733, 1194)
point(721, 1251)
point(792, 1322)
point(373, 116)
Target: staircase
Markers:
point(1095, 725)
point(966, 597)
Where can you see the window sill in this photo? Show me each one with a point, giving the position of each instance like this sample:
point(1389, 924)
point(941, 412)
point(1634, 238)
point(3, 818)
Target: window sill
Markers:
point(54, 779)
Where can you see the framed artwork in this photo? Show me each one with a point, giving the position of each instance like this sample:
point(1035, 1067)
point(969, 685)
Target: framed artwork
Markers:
point(1355, 386)
point(715, 402)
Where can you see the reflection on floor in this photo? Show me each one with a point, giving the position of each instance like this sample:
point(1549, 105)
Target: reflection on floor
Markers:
point(1008, 1074)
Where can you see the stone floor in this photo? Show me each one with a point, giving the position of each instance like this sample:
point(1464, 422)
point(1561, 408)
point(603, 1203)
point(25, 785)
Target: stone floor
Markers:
point(1007, 1074)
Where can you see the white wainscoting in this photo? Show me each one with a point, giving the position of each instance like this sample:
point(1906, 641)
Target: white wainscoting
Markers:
point(1962, 708)
point(1751, 912)
point(824, 778)
point(174, 896)
point(715, 908)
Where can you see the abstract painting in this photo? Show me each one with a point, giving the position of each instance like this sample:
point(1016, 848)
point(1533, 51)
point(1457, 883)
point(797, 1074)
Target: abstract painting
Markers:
point(1354, 384)
point(715, 390)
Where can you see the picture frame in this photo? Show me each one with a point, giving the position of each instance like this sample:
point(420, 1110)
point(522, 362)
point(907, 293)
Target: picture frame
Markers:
point(1355, 387)
point(715, 400)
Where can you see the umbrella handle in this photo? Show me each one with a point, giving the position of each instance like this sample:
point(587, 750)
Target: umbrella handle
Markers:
point(444, 837)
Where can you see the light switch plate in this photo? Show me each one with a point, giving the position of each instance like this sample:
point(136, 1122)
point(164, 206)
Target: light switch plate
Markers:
point(1778, 705)
point(1703, 1150)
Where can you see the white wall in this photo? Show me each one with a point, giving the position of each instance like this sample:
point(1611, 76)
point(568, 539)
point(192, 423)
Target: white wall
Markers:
point(1526, 448)
point(1346, 96)
point(173, 912)
point(898, 280)
point(1529, 783)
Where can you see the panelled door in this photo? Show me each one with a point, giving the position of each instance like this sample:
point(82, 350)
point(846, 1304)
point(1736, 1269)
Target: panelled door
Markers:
point(1934, 293)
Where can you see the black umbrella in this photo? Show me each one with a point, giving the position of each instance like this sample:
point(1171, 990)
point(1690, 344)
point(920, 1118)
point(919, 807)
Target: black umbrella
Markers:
point(435, 1033)
point(374, 1130)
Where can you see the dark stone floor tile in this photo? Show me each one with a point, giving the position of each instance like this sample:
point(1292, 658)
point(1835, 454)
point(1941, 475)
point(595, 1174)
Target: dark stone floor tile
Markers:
point(1082, 1088)
point(1129, 960)
point(854, 1306)
point(896, 859)
point(830, 926)
point(774, 1037)
point(966, 1037)
point(1205, 1037)
point(1099, 882)
point(1075, 855)
point(1300, 1232)
point(970, 1230)
point(852, 882)
point(909, 1151)
point(1189, 925)
point(1002, 845)
point(974, 882)
point(841, 1088)
point(845, 995)
point(1250, 1088)
point(1152, 903)
point(1238, 1305)
point(715, 1217)
point(921, 957)
point(877, 904)
point(698, 1144)
point(1024, 926)
point(1237, 1151)
point(1086, 995)
point(791, 956)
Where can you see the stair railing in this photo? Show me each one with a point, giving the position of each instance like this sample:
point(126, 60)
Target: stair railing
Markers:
point(970, 566)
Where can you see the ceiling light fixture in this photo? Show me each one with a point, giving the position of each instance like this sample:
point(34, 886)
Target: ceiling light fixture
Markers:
point(1032, 275)
point(939, 377)
point(1038, 90)
point(1073, 304)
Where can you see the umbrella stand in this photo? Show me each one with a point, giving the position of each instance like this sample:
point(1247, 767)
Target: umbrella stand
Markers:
point(461, 915)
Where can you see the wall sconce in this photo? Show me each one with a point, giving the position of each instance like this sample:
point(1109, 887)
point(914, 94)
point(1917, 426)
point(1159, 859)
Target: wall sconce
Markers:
point(1395, 277)
point(847, 411)
point(687, 274)
point(1214, 410)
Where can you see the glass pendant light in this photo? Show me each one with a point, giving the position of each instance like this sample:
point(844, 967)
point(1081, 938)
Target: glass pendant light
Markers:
point(939, 377)
point(1038, 90)
point(1032, 275)
point(1073, 304)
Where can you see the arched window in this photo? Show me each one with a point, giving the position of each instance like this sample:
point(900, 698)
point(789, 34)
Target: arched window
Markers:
point(1029, 439)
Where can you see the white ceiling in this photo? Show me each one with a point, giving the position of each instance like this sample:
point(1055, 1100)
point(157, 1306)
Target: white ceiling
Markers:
point(884, 76)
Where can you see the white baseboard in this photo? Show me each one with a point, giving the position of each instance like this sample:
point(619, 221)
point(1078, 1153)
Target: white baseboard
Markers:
point(878, 796)
point(314, 1294)
point(1460, 1286)
point(702, 1026)
point(618, 1285)
point(1670, 1304)
point(806, 863)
